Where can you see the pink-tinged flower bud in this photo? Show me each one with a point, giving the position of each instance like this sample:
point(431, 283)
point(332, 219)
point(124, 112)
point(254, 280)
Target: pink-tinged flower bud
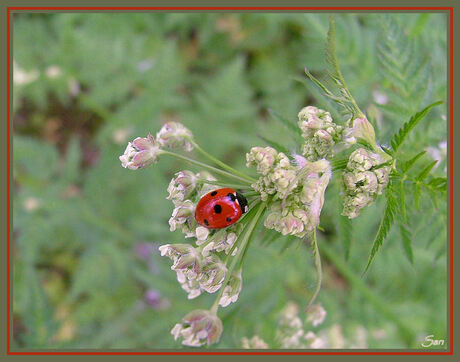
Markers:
point(198, 328)
point(360, 160)
point(191, 286)
point(313, 118)
point(299, 160)
point(362, 129)
point(262, 158)
point(232, 290)
point(175, 135)
point(320, 133)
point(225, 240)
point(185, 258)
point(182, 186)
point(140, 153)
point(212, 274)
point(182, 212)
point(291, 225)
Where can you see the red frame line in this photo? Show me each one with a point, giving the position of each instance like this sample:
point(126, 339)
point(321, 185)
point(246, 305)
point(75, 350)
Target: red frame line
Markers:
point(183, 8)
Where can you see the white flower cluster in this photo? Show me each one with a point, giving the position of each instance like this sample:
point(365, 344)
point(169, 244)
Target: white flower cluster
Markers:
point(200, 268)
point(278, 175)
point(363, 179)
point(254, 343)
point(320, 132)
point(143, 152)
point(198, 328)
point(293, 333)
point(297, 191)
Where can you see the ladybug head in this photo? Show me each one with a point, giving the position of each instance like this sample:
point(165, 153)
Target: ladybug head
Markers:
point(243, 202)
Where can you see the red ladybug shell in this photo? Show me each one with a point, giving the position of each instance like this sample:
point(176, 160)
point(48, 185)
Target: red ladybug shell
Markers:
point(220, 208)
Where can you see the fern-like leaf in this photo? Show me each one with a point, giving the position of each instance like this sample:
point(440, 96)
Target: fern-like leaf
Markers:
point(426, 171)
point(336, 74)
point(407, 165)
point(404, 67)
point(385, 225)
point(403, 132)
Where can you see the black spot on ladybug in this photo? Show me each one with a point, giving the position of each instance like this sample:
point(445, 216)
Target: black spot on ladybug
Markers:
point(232, 197)
point(214, 193)
point(217, 208)
point(229, 219)
point(206, 222)
point(243, 202)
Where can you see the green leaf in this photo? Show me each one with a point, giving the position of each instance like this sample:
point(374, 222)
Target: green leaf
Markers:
point(438, 183)
point(39, 312)
point(407, 165)
point(406, 239)
point(386, 150)
point(401, 135)
point(425, 172)
point(384, 227)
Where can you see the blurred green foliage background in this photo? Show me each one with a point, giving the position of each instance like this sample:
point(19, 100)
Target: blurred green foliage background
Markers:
point(87, 273)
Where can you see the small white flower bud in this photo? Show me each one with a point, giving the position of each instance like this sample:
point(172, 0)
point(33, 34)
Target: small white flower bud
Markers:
point(201, 234)
point(140, 153)
point(175, 135)
point(362, 129)
point(232, 290)
point(261, 157)
point(198, 328)
point(182, 186)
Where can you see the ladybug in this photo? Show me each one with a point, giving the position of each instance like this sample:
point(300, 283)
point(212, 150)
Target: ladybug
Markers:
point(220, 208)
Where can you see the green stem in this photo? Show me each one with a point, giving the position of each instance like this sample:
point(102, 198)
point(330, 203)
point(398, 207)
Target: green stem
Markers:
point(220, 163)
point(319, 272)
point(246, 219)
point(335, 65)
point(225, 184)
point(358, 283)
point(251, 193)
point(242, 246)
point(206, 166)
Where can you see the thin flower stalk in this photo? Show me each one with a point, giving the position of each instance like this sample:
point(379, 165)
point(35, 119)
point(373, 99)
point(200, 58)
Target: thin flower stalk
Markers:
point(206, 166)
point(220, 163)
point(242, 245)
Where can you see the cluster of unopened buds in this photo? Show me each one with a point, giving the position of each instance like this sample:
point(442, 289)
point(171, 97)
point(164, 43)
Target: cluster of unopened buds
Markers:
point(288, 195)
